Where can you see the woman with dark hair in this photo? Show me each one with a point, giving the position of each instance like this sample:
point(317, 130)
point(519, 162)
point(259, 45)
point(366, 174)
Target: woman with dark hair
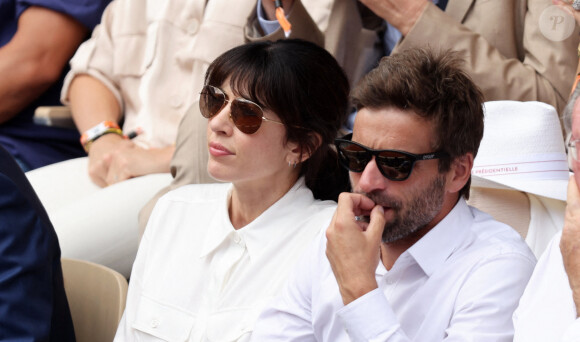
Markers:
point(214, 254)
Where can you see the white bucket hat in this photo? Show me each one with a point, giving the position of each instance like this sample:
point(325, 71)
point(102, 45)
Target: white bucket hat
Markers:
point(522, 149)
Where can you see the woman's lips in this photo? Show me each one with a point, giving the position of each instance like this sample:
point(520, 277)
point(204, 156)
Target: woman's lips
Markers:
point(217, 150)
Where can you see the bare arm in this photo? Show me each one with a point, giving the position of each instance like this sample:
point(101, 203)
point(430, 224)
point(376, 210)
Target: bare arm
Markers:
point(92, 102)
point(111, 158)
point(44, 42)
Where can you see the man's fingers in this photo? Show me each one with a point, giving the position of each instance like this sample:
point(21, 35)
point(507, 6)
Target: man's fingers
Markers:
point(354, 203)
point(377, 223)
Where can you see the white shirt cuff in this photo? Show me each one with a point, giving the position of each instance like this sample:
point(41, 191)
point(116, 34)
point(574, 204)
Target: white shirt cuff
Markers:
point(369, 318)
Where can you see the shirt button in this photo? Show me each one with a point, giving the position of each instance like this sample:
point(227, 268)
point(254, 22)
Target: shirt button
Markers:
point(154, 323)
point(237, 238)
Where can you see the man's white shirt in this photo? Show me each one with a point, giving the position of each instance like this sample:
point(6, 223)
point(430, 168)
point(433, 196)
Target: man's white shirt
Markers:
point(460, 282)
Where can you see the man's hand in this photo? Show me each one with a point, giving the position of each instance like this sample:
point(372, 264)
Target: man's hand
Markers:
point(113, 159)
point(353, 249)
point(402, 14)
point(570, 242)
point(567, 6)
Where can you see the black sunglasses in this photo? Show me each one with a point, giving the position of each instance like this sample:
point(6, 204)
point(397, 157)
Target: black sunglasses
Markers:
point(246, 115)
point(394, 165)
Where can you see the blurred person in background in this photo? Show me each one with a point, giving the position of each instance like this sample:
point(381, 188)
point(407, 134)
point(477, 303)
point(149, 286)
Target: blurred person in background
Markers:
point(138, 76)
point(550, 306)
point(33, 303)
point(37, 39)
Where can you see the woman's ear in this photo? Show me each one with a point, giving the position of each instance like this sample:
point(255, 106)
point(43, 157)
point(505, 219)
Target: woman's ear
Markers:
point(299, 153)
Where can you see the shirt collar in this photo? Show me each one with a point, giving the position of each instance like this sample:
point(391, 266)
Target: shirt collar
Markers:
point(433, 249)
point(264, 228)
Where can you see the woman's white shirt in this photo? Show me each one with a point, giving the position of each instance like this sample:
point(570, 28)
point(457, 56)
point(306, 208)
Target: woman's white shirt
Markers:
point(196, 278)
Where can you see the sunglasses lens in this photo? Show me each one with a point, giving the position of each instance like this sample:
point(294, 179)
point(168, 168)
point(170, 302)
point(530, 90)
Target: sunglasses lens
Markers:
point(392, 164)
point(211, 101)
point(395, 165)
point(247, 116)
point(353, 157)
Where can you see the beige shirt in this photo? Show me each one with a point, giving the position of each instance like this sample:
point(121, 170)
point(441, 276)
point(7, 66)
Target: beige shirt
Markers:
point(152, 55)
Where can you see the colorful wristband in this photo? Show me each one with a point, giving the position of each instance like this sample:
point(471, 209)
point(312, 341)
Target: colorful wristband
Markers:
point(94, 133)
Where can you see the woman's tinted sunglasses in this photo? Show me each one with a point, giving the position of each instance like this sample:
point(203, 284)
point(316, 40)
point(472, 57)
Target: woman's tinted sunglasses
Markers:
point(394, 165)
point(246, 115)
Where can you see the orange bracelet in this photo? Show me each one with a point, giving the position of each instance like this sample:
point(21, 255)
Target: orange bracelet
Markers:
point(94, 133)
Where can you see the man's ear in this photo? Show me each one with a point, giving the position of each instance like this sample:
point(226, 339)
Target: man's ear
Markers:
point(459, 172)
point(299, 153)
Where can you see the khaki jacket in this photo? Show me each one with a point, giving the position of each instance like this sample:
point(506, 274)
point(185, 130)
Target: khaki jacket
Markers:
point(505, 51)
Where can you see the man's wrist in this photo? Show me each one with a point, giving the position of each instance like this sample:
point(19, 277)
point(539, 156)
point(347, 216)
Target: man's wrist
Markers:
point(351, 292)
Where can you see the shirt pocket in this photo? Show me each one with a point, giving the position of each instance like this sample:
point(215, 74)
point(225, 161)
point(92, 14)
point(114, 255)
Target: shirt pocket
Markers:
point(234, 324)
point(135, 52)
point(159, 321)
point(215, 38)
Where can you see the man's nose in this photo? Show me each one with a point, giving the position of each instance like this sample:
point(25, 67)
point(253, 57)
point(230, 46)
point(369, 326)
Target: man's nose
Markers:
point(371, 179)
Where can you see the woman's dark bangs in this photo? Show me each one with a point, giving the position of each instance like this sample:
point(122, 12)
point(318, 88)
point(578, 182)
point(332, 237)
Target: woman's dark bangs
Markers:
point(247, 81)
point(247, 73)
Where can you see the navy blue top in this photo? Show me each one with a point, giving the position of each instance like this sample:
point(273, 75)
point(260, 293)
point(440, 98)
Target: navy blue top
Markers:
point(33, 303)
point(38, 145)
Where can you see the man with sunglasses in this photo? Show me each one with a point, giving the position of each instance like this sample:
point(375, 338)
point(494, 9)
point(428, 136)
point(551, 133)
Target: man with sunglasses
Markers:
point(426, 266)
point(549, 309)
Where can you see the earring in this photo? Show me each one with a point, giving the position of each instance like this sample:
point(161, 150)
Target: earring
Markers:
point(293, 165)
